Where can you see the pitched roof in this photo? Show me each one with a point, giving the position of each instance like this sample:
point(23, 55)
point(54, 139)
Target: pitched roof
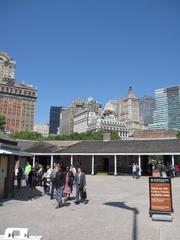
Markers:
point(48, 146)
point(129, 146)
point(6, 139)
point(104, 147)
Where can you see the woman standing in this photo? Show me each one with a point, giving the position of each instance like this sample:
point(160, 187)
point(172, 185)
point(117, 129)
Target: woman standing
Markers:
point(69, 178)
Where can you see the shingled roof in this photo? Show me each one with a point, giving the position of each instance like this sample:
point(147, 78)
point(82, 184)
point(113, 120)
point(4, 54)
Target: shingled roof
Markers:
point(112, 147)
point(48, 146)
point(131, 146)
point(6, 139)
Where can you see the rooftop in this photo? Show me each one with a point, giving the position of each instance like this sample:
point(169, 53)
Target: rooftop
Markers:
point(170, 146)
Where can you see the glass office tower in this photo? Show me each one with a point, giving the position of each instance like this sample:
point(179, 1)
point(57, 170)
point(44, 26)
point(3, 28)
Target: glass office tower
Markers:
point(167, 113)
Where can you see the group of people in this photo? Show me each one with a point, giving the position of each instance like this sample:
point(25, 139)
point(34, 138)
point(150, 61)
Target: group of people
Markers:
point(56, 182)
point(136, 171)
point(168, 170)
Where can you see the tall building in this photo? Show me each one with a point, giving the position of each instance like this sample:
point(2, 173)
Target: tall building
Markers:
point(42, 128)
point(54, 120)
point(128, 108)
point(17, 104)
point(67, 117)
point(128, 112)
point(167, 109)
point(75, 117)
point(7, 67)
point(17, 101)
point(146, 108)
point(82, 119)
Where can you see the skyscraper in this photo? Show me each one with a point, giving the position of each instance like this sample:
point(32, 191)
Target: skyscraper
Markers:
point(67, 117)
point(167, 109)
point(128, 108)
point(54, 120)
point(7, 67)
point(17, 101)
point(146, 108)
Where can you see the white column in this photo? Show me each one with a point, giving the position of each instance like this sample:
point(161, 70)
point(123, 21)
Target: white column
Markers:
point(172, 160)
point(92, 169)
point(34, 160)
point(52, 161)
point(115, 165)
point(71, 159)
point(139, 161)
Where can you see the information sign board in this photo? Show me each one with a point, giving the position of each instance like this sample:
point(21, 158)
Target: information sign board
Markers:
point(160, 194)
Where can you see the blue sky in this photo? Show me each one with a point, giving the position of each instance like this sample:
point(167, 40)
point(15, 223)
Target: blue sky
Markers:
point(79, 48)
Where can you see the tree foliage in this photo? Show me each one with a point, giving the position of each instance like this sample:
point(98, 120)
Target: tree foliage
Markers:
point(2, 122)
point(27, 136)
point(178, 134)
point(73, 137)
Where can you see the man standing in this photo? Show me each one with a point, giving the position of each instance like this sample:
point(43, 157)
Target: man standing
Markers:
point(27, 170)
point(53, 181)
point(80, 181)
point(59, 186)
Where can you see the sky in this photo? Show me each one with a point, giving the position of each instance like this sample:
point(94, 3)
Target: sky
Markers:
point(80, 48)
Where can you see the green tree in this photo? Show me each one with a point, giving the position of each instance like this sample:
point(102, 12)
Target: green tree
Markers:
point(178, 134)
point(115, 135)
point(27, 136)
point(2, 122)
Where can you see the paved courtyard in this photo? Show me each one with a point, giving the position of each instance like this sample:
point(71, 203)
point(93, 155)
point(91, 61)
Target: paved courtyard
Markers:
point(117, 209)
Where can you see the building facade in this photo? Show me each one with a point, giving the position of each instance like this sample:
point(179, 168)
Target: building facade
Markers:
point(167, 109)
point(146, 108)
point(17, 105)
point(82, 119)
point(7, 67)
point(128, 112)
point(75, 118)
point(128, 108)
point(67, 117)
point(42, 128)
point(54, 119)
point(109, 123)
point(17, 101)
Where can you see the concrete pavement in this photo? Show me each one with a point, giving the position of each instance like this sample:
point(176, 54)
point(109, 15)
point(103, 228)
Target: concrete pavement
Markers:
point(117, 209)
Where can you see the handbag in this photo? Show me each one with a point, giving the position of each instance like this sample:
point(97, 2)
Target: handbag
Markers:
point(83, 194)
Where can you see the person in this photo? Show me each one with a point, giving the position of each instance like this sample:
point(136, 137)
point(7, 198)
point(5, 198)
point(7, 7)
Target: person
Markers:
point(19, 176)
point(73, 169)
point(46, 180)
point(134, 170)
point(168, 170)
point(53, 182)
point(27, 171)
point(40, 173)
point(176, 167)
point(69, 178)
point(137, 171)
point(80, 181)
point(32, 181)
point(59, 183)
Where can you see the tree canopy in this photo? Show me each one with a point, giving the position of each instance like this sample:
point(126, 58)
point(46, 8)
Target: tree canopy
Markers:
point(74, 136)
point(2, 122)
point(178, 134)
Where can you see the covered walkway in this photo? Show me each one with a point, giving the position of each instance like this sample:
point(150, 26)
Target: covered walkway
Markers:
point(113, 157)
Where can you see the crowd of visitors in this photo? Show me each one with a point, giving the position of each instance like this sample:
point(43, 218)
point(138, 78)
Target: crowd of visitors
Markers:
point(168, 170)
point(56, 182)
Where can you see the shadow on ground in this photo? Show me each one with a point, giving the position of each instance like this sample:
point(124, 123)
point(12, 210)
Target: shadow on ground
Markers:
point(135, 212)
point(23, 194)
